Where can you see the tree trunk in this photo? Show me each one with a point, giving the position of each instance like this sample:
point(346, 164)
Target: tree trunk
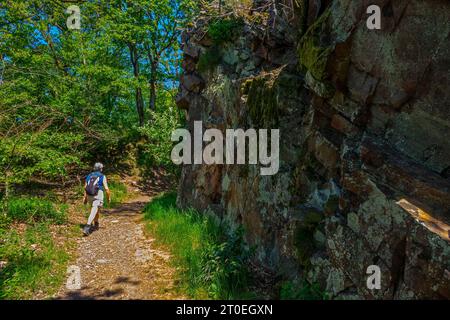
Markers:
point(138, 95)
point(140, 106)
point(152, 85)
point(7, 185)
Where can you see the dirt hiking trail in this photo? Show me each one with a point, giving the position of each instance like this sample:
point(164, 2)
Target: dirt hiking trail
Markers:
point(119, 261)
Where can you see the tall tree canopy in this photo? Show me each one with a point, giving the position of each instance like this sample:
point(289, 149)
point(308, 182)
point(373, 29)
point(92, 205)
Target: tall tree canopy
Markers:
point(68, 96)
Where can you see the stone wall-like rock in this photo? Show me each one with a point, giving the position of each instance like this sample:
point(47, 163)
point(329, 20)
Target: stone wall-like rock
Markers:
point(364, 122)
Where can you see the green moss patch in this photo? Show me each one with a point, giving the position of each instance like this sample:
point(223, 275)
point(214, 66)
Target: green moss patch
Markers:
point(262, 103)
point(314, 51)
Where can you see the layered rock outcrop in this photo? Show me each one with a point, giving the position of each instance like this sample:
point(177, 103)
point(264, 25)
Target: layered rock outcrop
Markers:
point(364, 121)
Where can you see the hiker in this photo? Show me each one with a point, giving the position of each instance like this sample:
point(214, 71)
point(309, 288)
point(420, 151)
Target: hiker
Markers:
point(94, 188)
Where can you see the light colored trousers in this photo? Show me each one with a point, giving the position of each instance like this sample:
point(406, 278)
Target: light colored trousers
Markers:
point(96, 203)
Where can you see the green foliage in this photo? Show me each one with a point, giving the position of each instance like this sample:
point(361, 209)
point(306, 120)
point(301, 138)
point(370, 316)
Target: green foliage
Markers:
point(213, 261)
point(155, 146)
point(60, 93)
point(40, 155)
point(35, 209)
point(224, 267)
point(222, 30)
point(68, 98)
point(301, 291)
point(5, 220)
point(33, 263)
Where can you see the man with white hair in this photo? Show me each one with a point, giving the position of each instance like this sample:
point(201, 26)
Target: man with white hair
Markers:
point(94, 188)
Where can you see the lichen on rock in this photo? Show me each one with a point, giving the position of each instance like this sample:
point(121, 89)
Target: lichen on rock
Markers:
point(361, 116)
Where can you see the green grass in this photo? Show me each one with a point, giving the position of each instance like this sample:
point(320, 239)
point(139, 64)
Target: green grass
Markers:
point(118, 193)
point(33, 263)
point(213, 261)
point(28, 209)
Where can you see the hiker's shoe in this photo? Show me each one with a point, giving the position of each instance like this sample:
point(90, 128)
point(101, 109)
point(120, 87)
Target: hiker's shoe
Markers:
point(96, 226)
point(87, 230)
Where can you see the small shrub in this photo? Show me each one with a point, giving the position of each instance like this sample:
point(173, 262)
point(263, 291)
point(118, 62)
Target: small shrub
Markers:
point(224, 30)
point(224, 266)
point(35, 209)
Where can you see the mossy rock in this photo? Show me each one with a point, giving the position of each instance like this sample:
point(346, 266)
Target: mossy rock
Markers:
point(313, 168)
point(304, 241)
point(312, 218)
point(262, 100)
point(210, 59)
point(245, 86)
point(314, 51)
point(322, 88)
point(332, 205)
point(269, 95)
point(304, 244)
point(263, 94)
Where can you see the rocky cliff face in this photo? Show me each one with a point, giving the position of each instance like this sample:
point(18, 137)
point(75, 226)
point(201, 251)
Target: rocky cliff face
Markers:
point(364, 121)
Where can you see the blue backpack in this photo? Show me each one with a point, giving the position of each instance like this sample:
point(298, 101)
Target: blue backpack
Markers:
point(94, 183)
